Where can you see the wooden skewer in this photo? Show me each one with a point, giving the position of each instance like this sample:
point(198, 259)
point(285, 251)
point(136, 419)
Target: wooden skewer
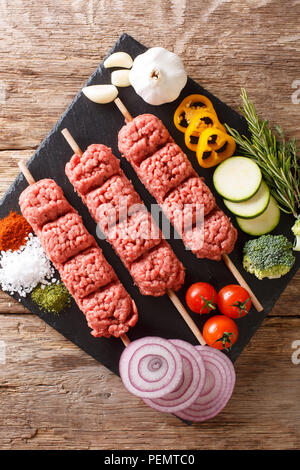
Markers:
point(189, 321)
point(28, 176)
point(173, 297)
point(30, 180)
point(125, 339)
point(226, 258)
point(72, 142)
point(123, 110)
point(235, 272)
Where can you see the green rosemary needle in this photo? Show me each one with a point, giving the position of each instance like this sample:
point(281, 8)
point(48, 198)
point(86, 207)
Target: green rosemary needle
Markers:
point(277, 159)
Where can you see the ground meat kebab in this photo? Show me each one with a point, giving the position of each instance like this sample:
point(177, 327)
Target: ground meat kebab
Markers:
point(169, 176)
point(124, 220)
point(88, 276)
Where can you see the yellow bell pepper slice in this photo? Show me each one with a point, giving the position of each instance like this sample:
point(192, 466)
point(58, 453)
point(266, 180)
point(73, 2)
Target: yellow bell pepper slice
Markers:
point(201, 120)
point(188, 107)
point(214, 146)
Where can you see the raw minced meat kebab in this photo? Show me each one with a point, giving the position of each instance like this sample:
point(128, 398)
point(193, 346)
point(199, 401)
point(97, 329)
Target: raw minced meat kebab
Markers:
point(122, 217)
point(108, 308)
point(169, 176)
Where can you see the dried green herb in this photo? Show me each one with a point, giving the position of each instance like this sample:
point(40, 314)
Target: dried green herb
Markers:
point(53, 298)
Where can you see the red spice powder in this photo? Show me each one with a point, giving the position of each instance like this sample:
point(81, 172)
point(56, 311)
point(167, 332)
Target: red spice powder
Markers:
point(13, 230)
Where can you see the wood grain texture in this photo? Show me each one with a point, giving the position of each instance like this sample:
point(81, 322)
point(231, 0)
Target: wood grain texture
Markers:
point(52, 395)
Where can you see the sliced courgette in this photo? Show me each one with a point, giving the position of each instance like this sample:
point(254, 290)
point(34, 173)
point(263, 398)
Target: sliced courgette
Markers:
point(237, 178)
point(254, 206)
point(264, 223)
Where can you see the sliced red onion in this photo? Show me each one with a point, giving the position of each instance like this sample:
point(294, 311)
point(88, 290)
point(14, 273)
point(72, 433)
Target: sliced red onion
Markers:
point(151, 367)
point(220, 380)
point(191, 384)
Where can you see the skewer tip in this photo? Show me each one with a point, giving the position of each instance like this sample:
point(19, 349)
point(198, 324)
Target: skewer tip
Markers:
point(71, 141)
point(125, 339)
point(120, 105)
point(28, 176)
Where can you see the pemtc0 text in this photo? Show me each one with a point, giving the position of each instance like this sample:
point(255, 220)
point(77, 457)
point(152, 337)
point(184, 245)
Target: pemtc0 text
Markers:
point(150, 459)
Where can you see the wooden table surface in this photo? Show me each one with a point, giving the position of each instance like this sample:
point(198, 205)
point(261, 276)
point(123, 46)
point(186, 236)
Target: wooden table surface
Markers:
point(53, 395)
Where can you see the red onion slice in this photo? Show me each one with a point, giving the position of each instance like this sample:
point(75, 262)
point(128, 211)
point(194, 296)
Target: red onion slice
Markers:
point(191, 384)
point(151, 367)
point(216, 391)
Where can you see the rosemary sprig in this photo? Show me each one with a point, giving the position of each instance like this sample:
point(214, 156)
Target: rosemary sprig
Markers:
point(278, 160)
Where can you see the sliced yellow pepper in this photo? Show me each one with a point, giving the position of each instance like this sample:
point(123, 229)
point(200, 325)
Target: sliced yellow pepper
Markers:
point(214, 146)
point(188, 107)
point(201, 120)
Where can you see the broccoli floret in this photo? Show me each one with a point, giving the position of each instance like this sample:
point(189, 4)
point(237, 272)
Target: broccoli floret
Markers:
point(296, 232)
point(268, 256)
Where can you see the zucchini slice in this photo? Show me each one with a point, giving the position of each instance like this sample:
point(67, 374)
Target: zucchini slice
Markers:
point(237, 178)
point(254, 206)
point(264, 223)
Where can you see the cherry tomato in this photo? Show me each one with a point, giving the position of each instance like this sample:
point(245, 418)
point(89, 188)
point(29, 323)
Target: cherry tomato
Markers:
point(220, 332)
point(201, 297)
point(234, 301)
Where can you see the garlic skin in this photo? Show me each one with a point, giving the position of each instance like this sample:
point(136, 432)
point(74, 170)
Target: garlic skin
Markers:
point(120, 78)
point(118, 59)
point(101, 94)
point(296, 246)
point(158, 76)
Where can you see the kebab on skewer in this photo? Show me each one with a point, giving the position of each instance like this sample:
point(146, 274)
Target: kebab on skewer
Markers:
point(168, 175)
point(120, 214)
point(124, 220)
point(88, 276)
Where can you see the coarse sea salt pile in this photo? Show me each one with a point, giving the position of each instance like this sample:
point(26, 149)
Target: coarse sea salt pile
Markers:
point(22, 270)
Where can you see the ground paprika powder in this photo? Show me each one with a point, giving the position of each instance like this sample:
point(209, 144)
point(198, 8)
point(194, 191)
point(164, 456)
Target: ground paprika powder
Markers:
point(13, 231)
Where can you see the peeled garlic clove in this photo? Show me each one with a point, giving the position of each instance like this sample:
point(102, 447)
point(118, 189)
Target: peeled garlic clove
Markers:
point(118, 59)
point(101, 94)
point(120, 78)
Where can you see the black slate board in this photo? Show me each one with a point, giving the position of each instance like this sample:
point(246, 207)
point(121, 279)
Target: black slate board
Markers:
point(92, 123)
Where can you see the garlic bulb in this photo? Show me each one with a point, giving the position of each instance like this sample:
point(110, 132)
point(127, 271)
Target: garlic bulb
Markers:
point(158, 76)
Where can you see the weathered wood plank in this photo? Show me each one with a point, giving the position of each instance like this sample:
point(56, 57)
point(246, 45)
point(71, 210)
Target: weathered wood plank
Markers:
point(9, 167)
point(47, 51)
point(52, 395)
